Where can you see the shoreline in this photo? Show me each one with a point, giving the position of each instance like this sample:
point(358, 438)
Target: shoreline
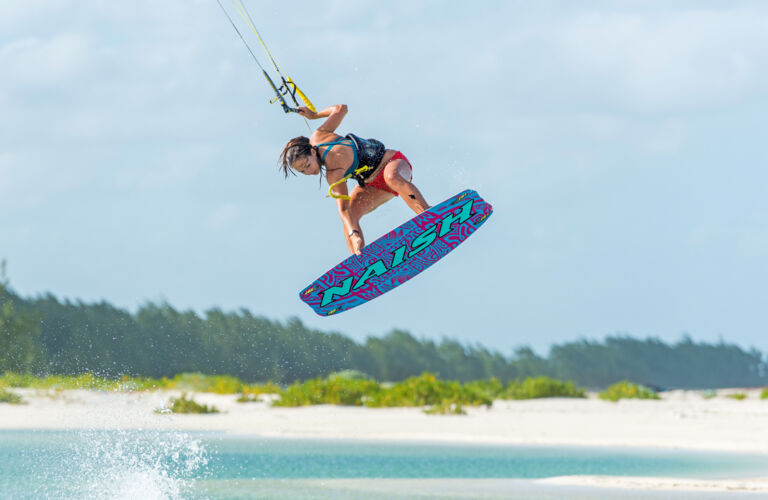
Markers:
point(510, 489)
point(753, 484)
point(682, 420)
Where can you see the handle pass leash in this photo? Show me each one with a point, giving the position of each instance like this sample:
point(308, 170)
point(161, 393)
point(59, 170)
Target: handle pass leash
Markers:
point(357, 171)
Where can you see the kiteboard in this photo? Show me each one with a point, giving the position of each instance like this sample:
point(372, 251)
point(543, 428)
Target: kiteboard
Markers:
point(397, 256)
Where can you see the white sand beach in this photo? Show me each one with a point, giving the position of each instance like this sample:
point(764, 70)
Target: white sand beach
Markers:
point(682, 420)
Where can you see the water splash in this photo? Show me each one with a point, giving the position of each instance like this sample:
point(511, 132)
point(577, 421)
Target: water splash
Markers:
point(151, 465)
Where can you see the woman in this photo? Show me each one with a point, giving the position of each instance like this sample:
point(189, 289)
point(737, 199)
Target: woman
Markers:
point(381, 173)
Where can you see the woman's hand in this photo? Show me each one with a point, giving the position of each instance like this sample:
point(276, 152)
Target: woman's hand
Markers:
point(357, 244)
point(308, 113)
point(335, 115)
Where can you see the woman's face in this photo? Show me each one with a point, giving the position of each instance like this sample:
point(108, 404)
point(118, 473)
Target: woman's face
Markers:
point(307, 164)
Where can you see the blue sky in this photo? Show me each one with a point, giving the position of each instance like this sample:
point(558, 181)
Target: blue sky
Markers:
point(622, 145)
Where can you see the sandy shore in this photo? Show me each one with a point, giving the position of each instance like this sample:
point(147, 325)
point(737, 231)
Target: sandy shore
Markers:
point(682, 419)
point(567, 488)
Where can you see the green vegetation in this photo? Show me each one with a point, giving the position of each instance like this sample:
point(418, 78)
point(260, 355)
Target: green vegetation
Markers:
point(684, 365)
point(7, 396)
point(81, 381)
point(348, 387)
point(251, 393)
point(349, 375)
point(542, 387)
point(184, 381)
point(60, 339)
point(739, 396)
point(445, 409)
point(20, 346)
point(427, 390)
point(198, 382)
point(424, 390)
point(490, 388)
point(185, 405)
point(527, 388)
point(627, 390)
point(190, 382)
point(334, 391)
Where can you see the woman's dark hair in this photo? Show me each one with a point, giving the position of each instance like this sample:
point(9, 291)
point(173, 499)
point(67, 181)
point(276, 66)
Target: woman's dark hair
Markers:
point(296, 148)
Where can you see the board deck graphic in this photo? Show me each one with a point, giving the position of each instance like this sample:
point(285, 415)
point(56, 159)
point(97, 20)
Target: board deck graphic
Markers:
point(398, 256)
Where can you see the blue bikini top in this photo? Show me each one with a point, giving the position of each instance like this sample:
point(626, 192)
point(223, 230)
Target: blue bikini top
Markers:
point(367, 153)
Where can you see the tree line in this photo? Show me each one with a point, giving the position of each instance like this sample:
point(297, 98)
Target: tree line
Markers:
point(46, 336)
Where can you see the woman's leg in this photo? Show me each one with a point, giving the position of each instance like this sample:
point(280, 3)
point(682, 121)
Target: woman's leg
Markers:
point(364, 201)
point(398, 174)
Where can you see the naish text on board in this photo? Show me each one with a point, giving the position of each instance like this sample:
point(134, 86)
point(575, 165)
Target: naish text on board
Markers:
point(419, 243)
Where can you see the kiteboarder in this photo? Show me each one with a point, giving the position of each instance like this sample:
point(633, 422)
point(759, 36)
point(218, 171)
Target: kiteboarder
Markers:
point(381, 173)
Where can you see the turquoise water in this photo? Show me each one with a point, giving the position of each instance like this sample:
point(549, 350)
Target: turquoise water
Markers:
point(169, 464)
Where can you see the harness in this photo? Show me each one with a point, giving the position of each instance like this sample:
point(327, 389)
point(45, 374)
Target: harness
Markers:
point(368, 153)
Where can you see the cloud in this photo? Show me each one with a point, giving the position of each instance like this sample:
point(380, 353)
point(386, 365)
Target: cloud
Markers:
point(16, 16)
point(50, 62)
point(568, 116)
point(667, 61)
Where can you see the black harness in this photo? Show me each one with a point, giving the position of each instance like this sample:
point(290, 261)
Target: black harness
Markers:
point(369, 154)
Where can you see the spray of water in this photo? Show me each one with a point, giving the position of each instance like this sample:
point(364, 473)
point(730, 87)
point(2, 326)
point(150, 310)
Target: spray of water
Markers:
point(151, 465)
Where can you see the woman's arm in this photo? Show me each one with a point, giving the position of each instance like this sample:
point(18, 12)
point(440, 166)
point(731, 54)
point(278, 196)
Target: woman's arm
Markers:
point(335, 115)
point(353, 234)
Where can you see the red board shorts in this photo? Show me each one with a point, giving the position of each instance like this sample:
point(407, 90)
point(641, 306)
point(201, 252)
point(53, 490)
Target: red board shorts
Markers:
point(379, 182)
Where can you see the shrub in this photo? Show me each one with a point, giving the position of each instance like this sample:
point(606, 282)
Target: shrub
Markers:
point(11, 379)
point(59, 382)
point(355, 389)
point(542, 387)
point(83, 381)
point(10, 397)
point(337, 391)
point(427, 390)
point(184, 405)
point(627, 390)
point(349, 375)
point(489, 389)
point(738, 396)
point(199, 382)
point(445, 408)
point(764, 394)
point(251, 393)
